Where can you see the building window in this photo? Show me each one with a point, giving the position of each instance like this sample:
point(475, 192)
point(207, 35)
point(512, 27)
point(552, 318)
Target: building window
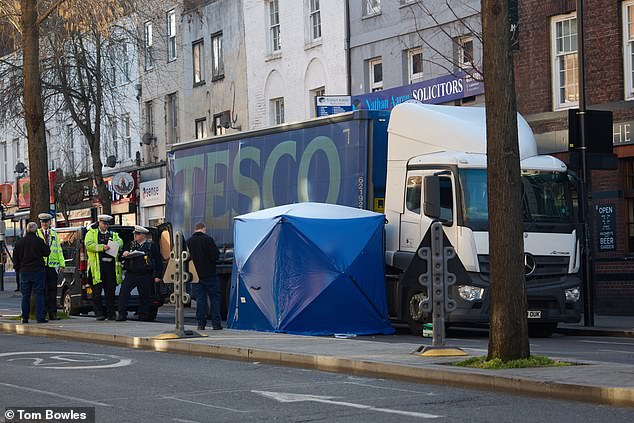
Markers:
point(112, 62)
point(126, 62)
point(171, 35)
point(198, 60)
point(86, 159)
point(274, 26)
point(5, 166)
point(128, 135)
point(376, 74)
point(172, 119)
point(314, 20)
point(114, 135)
point(218, 128)
point(465, 53)
point(314, 94)
point(70, 144)
point(149, 118)
point(415, 65)
point(565, 62)
point(200, 128)
point(628, 48)
point(277, 111)
point(217, 61)
point(149, 55)
point(371, 7)
point(18, 151)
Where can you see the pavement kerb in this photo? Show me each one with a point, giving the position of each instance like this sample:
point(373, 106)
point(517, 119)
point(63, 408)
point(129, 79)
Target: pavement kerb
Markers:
point(432, 374)
point(595, 331)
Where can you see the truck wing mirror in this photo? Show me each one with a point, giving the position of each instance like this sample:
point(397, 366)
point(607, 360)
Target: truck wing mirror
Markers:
point(431, 202)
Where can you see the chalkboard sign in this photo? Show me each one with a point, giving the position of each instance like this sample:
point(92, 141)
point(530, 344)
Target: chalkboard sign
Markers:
point(606, 226)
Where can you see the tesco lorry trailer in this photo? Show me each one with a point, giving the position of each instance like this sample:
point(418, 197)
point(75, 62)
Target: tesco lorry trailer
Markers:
point(357, 159)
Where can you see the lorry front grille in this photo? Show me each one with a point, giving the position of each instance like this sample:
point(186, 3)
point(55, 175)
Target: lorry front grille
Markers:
point(545, 266)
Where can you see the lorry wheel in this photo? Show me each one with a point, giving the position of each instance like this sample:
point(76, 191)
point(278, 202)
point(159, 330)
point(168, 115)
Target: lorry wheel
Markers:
point(541, 330)
point(68, 304)
point(413, 316)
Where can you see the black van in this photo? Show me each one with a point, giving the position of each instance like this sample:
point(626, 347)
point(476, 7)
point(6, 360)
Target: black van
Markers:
point(74, 291)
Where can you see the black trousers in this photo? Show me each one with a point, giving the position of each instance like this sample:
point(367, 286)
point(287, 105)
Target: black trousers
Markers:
point(108, 285)
point(50, 288)
point(143, 284)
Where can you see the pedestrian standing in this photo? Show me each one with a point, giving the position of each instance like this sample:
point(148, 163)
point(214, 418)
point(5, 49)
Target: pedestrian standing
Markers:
point(53, 263)
point(204, 253)
point(103, 268)
point(28, 256)
point(143, 267)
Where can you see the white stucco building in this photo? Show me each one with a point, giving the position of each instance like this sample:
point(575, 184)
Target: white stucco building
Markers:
point(295, 51)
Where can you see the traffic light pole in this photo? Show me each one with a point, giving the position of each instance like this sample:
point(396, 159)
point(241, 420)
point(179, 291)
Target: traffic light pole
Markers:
point(588, 285)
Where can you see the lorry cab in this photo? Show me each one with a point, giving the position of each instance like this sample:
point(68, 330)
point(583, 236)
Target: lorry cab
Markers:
point(437, 161)
point(74, 290)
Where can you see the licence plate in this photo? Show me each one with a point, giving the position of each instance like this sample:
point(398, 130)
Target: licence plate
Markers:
point(534, 314)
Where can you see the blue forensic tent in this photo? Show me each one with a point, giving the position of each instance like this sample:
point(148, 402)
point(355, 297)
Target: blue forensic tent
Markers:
point(309, 268)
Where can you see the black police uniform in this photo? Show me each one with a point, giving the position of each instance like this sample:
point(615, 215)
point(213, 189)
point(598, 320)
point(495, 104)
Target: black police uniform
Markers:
point(109, 280)
point(140, 272)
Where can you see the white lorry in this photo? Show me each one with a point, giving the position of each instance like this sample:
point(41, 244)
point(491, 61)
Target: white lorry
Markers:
point(450, 143)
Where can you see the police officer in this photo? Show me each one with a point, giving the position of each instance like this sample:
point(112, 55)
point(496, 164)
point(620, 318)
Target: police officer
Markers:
point(53, 262)
point(104, 268)
point(143, 266)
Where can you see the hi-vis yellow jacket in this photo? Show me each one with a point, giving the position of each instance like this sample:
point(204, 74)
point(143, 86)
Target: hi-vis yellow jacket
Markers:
point(93, 248)
point(56, 258)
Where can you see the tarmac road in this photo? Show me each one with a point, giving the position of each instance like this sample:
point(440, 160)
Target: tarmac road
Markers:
point(135, 385)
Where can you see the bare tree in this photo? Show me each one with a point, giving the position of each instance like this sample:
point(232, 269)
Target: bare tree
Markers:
point(27, 21)
point(447, 22)
point(508, 335)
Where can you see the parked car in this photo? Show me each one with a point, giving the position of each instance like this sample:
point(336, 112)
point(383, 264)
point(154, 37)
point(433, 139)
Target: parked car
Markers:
point(74, 290)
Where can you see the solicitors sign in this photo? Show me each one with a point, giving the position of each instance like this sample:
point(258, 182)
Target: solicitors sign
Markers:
point(433, 91)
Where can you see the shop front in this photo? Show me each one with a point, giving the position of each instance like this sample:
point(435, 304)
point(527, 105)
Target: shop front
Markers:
point(152, 202)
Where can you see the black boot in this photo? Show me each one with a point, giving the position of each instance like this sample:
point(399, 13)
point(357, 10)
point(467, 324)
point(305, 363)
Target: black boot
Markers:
point(53, 316)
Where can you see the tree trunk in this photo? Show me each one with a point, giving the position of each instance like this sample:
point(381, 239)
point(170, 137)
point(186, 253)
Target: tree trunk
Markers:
point(34, 110)
point(102, 190)
point(508, 336)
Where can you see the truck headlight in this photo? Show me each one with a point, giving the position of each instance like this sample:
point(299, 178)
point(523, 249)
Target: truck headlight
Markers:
point(573, 294)
point(470, 293)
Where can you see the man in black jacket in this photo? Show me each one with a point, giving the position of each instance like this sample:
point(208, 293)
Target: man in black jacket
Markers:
point(143, 267)
point(204, 254)
point(28, 259)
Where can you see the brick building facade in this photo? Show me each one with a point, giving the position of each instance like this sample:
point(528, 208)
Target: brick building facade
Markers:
point(547, 86)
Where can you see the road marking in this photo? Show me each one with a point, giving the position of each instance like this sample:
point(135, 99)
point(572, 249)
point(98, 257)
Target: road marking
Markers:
point(617, 351)
point(286, 397)
point(609, 343)
point(185, 421)
point(207, 405)
point(54, 394)
point(60, 360)
point(392, 389)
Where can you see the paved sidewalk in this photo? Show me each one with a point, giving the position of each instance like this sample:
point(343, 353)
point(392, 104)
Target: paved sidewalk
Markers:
point(373, 356)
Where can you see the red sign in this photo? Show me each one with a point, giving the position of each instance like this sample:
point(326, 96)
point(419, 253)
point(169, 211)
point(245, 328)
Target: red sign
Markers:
point(24, 190)
point(7, 193)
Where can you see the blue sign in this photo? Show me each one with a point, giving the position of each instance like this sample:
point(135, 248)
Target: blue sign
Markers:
point(214, 182)
point(434, 91)
point(327, 105)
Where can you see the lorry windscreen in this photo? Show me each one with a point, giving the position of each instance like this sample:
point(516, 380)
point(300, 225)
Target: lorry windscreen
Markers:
point(546, 199)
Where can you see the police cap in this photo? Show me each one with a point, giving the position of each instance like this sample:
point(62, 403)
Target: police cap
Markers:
point(44, 216)
point(140, 230)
